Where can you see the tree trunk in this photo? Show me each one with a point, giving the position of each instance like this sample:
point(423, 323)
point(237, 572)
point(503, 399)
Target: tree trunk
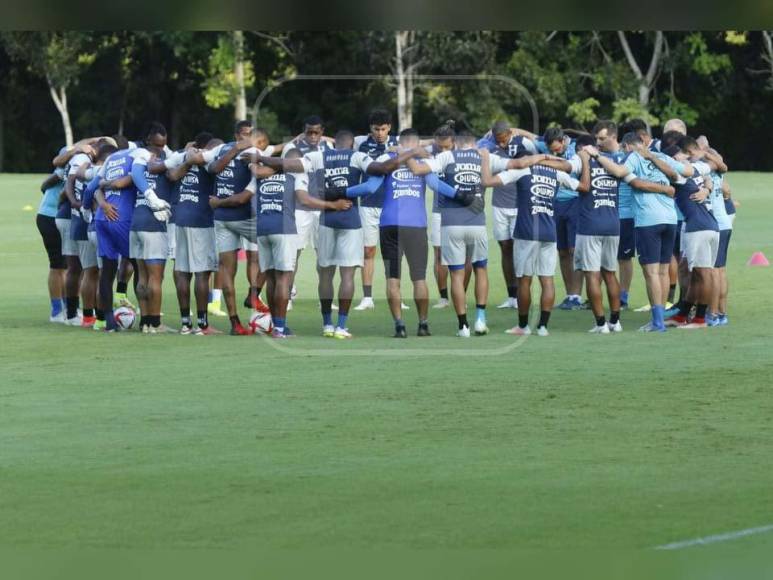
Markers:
point(646, 80)
point(404, 83)
point(2, 140)
point(240, 106)
point(59, 96)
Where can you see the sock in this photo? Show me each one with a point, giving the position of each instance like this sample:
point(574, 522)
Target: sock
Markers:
point(342, 318)
point(100, 314)
point(523, 320)
point(235, 321)
point(56, 306)
point(88, 313)
point(254, 291)
point(685, 307)
point(423, 322)
point(326, 307)
point(444, 293)
point(279, 324)
point(399, 323)
point(700, 310)
point(601, 320)
point(201, 318)
point(657, 315)
point(544, 318)
point(217, 294)
point(110, 320)
point(144, 320)
point(185, 317)
point(512, 291)
point(573, 296)
point(367, 291)
point(671, 293)
point(624, 296)
point(480, 312)
point(121, 287)
point(72, 306)
point(614, 317)
point(155, 320)
point(462, 321)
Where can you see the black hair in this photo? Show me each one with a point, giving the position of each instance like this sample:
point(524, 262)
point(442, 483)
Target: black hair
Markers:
point(105, 150)
point(200, 141)
point(241, 125)
point(312, 120)
point(445, 130)
point(584, 139)
point(409, 133)
point(121, 141)
point(155, 128)
point(687, 142)
point(610, 126)
point(638, 125)
point(342, 135)
point(671, 150)
point(670, 138)
point(630, 138)
point(380, 117)
point(500, 127)
point(553, 134)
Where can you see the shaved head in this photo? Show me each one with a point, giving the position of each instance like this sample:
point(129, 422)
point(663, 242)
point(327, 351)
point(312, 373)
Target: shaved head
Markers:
point(675, 125)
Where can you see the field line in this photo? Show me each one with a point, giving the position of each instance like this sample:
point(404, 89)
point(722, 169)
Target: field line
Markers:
point(717, 538)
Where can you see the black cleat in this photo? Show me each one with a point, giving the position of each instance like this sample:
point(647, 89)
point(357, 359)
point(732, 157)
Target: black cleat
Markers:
point(423, 330)
point(400, 332)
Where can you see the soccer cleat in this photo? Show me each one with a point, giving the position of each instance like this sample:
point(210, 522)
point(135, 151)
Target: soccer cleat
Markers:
point(334, 306)
point(74, 321)
point(280, 334)
point(567, 304)
point(480, 328)
point(676, 320)
point(623, 305)
point(60, 318)
point(164, 329)
point(463, 332)
point(723, 320)
point(259, 305)
point(290, 304)
point(88, 321)
point(120, 299)
point(423, 330)
point(153, 330)
point(289, 333)
point(518, 331)
point(712, 321)
point(404, 306)
point(213, 309)
point(145, 329)
point(238, 330)
point(669, 312)
point(400, 332)
point(186, 329)
point(543, 331)
point(603, 329)
point(616, 327)
point(207, 331)
point(583, 305)
point(99, 325)
point(649, 327)
point(342, 333)
point(645, 308)
point(509, 303)
point(441, 303)
point(669, 305)
point(366, 304)
point(694, 323)
point(328, 331)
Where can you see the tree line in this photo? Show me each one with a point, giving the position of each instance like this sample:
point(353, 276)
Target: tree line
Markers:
point(57, 87)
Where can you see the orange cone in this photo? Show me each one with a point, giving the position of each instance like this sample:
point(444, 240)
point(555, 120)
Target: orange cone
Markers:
point(758, 259)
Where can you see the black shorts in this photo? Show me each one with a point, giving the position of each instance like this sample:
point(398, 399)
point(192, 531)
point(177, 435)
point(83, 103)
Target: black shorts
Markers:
point(398, 241)
point(678, 240)
point(52, 241)
point(627, 248)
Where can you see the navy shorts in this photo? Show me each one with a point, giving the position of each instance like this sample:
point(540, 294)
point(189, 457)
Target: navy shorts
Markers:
point(627, 248)
point(567, 215)
point(113, 239)
point(724, 242)
point(655, 244)
point(678, 240)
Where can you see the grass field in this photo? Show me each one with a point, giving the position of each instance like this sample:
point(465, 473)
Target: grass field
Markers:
point(571, 442)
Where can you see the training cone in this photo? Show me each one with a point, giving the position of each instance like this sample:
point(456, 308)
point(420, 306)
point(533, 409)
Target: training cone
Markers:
point(758, 259)
point(241, 255)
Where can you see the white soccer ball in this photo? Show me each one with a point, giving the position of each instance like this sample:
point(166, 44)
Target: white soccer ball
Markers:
point(124, 317)
point(261, 323)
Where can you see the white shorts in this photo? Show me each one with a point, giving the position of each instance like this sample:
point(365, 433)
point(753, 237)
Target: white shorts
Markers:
point(93, 241)
point(148, 245)
point(462, 243)
point(434, 231)
point(277, 252)
point(229, 234)
point(339, 247)
point(195, 250)
point(170, 231)
point(87, 252)
point(307, 224)
point(249, 246)
point(533, 258)
point(594, 253)
point(371, 219)
point(700, 248)
point(69, 247)
point(503, 222)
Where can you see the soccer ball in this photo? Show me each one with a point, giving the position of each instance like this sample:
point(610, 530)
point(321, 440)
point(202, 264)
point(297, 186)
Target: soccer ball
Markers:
point(124, 317)
point(260, 323)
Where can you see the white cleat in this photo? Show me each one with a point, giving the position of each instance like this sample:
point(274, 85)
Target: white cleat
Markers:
point(543, 331)
point(645, 308)
point(60, 318)
point(441, 303)
point(328, 331)
point(509, 303)
point(334, 307)
point(603, 329)
point(74, 321)
point(404, 306)
point(293, 292)
point(366, 304)
point(518, 331)
point(463, 332)
point(342, 333)
point(480, 328)
point(290, 304)
point(616, 327)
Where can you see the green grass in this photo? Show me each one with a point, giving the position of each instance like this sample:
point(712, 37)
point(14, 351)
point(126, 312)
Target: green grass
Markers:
point(573, 441)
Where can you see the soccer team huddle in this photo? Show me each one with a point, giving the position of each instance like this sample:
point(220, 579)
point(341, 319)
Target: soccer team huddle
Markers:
point(115, 211)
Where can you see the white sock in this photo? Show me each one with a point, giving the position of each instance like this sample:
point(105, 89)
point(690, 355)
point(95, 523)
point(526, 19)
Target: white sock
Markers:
point(217, 294)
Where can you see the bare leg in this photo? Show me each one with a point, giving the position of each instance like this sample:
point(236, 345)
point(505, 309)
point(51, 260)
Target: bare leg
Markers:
point(593, 288)
point(421, 298)
point(393, 297)
point(227, 275)
point(458, 294)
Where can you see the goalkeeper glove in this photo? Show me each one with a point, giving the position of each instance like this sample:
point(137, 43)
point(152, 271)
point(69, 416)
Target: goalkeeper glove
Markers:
point(154, 202)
